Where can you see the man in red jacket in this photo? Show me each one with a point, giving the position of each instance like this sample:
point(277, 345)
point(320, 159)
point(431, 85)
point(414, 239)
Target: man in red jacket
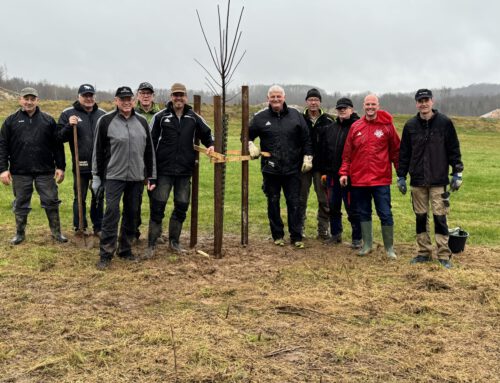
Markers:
point(371, 147)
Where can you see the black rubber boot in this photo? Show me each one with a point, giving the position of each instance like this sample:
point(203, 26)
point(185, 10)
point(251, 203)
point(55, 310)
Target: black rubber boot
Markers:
point(21, 221)
point(174, 233)
point(154, 233)
point(55, 225)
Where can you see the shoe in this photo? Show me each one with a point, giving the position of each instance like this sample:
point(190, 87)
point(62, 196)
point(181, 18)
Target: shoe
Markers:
point(357, 244)
point(128, 257)
point(279, 242)
point(420, 259)
point(334, 239)
point(446, 263)
point(149, 253)
point(323, 235)
point(367, 233)
point(98, 233)
point(161, 241)
point(103, 264)
point(388, 237)
point(299, 244)
point(176, 247)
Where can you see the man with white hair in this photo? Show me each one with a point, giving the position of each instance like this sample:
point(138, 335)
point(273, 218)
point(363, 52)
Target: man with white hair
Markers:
point(284, 135)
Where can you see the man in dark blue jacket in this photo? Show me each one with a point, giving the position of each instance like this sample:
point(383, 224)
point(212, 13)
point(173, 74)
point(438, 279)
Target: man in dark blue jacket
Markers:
point(84, 115)
point(31, 153)
point(429, 147)
point(284, 135)
point(173, 131)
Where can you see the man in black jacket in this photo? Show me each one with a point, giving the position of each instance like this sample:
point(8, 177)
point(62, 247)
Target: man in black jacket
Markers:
point(30, 152)
point(84, 115)
point(173, 131)
point(315, 119)
point(429, 146)
point(283, 133)
point(331, 140)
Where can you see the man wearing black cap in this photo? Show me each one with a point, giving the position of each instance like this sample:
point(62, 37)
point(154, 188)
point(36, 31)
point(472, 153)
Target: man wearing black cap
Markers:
point(315, 118)
point(331, 140)
point(123, 159)
point(429, 147)
point(84, 115)
point(174, 130)
point(30, 152)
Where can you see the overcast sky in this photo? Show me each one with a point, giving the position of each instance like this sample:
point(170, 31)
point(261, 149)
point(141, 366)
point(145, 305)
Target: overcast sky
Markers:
point(345, 46)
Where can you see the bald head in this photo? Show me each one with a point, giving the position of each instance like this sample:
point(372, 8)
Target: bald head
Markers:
point(371, 106)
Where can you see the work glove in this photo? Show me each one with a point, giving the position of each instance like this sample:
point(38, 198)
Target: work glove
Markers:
point(253, 150)
point(456, 181)
point(324, 181)
point(402, 185)
point(307, 164)
point(96, 184)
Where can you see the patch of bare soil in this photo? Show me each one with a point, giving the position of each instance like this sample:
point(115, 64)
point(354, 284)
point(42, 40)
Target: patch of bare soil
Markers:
point(260, 314)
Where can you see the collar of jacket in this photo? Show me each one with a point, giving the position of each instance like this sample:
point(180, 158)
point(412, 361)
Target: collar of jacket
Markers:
point(155, 108)
point(170, 108)
point(37, 110)
point(306, 113)
point(282, 112)
point(80, 108)
point(354, 117)
point(434, 114)
point(117, 112)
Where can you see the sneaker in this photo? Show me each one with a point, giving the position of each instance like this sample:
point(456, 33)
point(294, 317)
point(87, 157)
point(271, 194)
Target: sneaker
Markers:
point(323, 235)
point(103, 264)
point(334, 240)
point(128, 257)
point(149, 253)
point(446, 263)
point(279, 242)
point(176, 247)
point(420, 259)
point(299, 244)
point(357, 244)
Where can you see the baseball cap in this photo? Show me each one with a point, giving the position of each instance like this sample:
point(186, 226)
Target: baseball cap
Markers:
point(313, 93)
point(146, 85)
point(86, 88)
point(344, 102)
point(124, 91)
point(423, 93)
point(178, 88)
point(29, 92)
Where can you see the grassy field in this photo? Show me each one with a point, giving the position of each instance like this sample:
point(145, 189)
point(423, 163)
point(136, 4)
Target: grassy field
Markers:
point(260, 314)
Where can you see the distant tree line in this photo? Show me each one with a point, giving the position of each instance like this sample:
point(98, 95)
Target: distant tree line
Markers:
point(473, 100)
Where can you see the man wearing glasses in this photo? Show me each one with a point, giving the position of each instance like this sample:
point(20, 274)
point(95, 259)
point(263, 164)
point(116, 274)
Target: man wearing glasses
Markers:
point(84, 115)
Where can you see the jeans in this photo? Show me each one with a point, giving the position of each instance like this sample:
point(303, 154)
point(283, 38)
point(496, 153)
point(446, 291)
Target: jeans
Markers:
point(22, 187)
point(381, 196)
point(291, 189)
point(337, 194)
point(114, 190)
point(159, 197)
point(96, 207)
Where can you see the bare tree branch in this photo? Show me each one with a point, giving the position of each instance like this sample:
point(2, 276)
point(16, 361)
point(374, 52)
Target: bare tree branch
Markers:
point(208, 72)
point(206, 40)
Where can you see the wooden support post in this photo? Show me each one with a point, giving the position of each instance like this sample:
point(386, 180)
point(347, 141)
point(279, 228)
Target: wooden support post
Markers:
point(244, 165)
point(195, 184)
point(218, 180)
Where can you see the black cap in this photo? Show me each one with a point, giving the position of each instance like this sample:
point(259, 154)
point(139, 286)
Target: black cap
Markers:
point(86, 88)
point(124, 91)
point(146, 85)
point(344, 102)
point(423, 93)
point(313, 93)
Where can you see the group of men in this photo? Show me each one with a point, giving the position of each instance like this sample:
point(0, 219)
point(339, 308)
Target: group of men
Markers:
point(347, 158)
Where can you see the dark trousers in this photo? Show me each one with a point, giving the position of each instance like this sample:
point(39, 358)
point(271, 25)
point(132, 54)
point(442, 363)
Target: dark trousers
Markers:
point(114, 190)
point(381, 197)
point(291, 189)
point(306, 179)
point(96, 207)
point(337, 194)
point(22, 186)
point(159, 197)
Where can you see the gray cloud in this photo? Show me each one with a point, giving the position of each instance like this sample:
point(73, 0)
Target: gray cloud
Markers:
point(356, 45)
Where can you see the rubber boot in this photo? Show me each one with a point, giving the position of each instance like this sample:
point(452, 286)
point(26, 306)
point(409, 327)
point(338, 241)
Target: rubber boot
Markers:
point(21, 221)
point(367, 235)
point(174, 232)
point(388, 237)
point(55, 225)
point(153, 235)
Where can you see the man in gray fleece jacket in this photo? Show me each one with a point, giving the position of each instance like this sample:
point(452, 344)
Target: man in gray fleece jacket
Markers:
point(123, 159)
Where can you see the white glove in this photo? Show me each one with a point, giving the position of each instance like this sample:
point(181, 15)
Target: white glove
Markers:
point(96, 183)
point(307, 164)
point(253, 150)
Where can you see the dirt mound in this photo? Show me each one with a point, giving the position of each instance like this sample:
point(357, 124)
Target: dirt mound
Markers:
point(493, 114)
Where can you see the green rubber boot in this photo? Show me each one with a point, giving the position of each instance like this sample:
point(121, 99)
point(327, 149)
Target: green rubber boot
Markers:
point(388, 237)
point(367, 234)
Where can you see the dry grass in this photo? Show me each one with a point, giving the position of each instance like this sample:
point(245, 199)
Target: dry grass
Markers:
point(260, 314)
